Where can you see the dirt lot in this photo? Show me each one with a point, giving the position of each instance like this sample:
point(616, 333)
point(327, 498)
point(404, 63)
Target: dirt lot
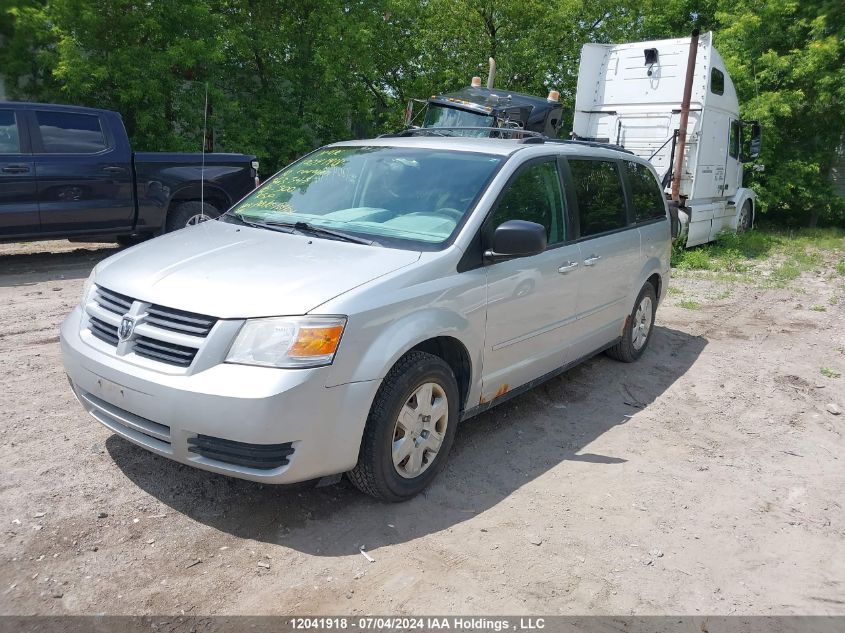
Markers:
point(707, 478)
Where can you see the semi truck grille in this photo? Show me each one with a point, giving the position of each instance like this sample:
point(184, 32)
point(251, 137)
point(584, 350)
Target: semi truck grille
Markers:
point(156, 327)
point(260, 456)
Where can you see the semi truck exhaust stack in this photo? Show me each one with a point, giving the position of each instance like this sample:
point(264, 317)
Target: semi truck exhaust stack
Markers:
point(682, 126)
point(491, 76)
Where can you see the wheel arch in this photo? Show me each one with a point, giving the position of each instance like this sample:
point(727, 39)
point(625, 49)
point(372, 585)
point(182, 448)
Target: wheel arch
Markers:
point(743, 195)
point(194, 191)
point(443, 333)
point(456, 355)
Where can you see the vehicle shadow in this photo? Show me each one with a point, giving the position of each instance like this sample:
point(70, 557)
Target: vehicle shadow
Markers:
point(28, 268)
point(494, 454)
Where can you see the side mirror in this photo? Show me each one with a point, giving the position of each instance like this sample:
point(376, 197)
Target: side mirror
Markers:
point(756, 141)
point(517, 238)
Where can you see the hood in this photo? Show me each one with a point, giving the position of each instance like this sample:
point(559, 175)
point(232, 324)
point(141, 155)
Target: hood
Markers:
point(230, 271)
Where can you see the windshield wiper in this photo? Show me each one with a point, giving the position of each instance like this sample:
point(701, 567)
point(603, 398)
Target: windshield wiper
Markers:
point(237, 218)
point(310, 229)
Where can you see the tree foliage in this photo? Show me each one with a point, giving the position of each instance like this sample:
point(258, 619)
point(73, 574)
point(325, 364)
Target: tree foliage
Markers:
point(284, 77)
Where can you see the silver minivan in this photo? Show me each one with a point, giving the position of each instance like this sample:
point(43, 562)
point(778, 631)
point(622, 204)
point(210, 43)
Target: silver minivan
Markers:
point(349, 313)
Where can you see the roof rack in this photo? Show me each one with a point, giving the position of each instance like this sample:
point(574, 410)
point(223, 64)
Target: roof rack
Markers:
point(513, 132)
point(526, 137)
point(568, 141)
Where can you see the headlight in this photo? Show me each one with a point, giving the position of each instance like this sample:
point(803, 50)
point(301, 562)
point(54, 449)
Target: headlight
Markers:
point(288, 342)
point(87, 287)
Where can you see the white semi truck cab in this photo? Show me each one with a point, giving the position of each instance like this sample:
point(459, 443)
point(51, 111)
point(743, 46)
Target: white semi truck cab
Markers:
point(633, 95)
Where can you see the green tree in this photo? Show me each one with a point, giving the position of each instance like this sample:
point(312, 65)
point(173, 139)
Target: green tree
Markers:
point(787, 60)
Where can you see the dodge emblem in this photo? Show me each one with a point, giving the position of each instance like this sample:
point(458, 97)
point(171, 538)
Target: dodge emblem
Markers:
point(127, 326)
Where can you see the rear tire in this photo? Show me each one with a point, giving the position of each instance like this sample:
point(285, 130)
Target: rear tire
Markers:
point(638, 327)
point(406, 440)
point(190, 213)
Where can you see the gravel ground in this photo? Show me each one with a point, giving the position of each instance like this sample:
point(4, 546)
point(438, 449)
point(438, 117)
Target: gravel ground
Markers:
point(705, 479)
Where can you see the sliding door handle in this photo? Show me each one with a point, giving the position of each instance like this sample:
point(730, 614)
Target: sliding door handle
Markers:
point(15, 169)
point(591, 260)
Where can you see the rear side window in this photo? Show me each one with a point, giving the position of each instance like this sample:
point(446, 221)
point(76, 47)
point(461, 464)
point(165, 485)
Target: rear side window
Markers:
point(601, 201)
point(645, 193)
point(717, 82)
point(70, 133)
point(535, 196)
point(10, 140)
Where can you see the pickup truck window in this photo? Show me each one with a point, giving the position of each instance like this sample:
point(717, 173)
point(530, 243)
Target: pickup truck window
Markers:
point(70, 132)
point(598, 190)
point(407, 197)
point(10, 142)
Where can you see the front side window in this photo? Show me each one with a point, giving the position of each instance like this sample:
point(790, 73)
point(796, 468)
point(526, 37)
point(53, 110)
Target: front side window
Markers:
point(70, 133)
point(601, 201)
point(647, 198)
point(734, 141)
point(717, 82)
point(535, 196)
point(406, 197)
point(10, 140)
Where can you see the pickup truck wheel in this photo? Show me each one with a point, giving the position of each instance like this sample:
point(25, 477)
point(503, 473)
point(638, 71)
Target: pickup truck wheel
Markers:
point(130, 240)
point(410, 429)
point(190, 213)
point(638, 327)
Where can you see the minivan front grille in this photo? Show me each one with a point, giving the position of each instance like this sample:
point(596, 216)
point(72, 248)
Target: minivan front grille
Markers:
point(112, 301)
point(180, 321)
point(165, 352)
point(161, 325)
point(103, 331)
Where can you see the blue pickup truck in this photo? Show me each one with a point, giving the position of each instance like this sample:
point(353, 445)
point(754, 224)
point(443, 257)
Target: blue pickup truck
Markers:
point(69, 172)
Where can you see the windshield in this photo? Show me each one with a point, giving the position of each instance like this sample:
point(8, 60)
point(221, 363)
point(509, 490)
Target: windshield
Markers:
point(407, 197)
point(441, 116)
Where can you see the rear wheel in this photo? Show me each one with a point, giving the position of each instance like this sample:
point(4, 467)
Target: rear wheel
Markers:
point(189, 214)
point(410, 429)
point(638, 327)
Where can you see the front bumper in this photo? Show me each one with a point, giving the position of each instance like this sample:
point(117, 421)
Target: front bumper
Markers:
point(167, 413)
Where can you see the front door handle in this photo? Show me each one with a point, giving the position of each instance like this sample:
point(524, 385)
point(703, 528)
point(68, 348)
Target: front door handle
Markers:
point(15, 169)
point(113, 169)
point(567, 267)
point(591, 260)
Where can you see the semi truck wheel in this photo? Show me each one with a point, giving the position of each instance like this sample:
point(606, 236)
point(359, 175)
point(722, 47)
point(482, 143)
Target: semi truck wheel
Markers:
point(190, 213)
point(744, 221)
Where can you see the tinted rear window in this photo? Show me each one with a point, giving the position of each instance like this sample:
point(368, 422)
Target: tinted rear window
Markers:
point(601, 202)
point(70, 133)
point(10, 142)
point(645, 193)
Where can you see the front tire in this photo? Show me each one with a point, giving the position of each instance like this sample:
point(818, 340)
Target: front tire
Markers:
point(190, 213)
point(745, 219)
point(410, 429)
point(638, 327)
